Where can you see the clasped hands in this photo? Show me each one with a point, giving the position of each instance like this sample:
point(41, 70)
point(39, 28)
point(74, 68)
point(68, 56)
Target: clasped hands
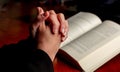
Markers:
point(49, 29)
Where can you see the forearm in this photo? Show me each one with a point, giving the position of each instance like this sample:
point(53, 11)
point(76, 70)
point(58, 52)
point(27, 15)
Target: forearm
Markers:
point(24, 56)
point(40, 62)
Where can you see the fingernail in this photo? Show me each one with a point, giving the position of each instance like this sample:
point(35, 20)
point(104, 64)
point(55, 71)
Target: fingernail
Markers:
point(63, 39)
point(65, 32)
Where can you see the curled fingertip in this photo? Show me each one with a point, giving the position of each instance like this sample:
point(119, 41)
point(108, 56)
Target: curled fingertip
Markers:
point(64, 38)
point(66, 29)
point(63, 30)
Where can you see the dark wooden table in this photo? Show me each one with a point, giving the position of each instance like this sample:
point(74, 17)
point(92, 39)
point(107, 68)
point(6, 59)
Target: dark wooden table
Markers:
point(12, 31)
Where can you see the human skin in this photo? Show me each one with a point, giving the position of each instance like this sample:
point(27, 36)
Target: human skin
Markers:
point(49, 36)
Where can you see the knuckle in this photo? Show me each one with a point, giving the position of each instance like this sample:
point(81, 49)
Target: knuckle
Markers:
point(52, 12)
point(60, 14)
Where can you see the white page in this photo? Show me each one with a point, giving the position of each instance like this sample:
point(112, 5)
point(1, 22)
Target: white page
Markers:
point(80, 24)
point(82, 47)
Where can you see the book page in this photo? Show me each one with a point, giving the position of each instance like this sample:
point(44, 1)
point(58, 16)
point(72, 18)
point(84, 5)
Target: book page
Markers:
point(95, 47)
point(80, 24)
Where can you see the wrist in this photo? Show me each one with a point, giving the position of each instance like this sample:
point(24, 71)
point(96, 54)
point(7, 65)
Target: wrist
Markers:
point(48, 50)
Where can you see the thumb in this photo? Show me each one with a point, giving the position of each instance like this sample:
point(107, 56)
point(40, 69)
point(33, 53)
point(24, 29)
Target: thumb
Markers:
point(38, 21)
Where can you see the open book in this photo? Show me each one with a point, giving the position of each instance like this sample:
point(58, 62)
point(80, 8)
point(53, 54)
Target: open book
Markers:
point(91, 42)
